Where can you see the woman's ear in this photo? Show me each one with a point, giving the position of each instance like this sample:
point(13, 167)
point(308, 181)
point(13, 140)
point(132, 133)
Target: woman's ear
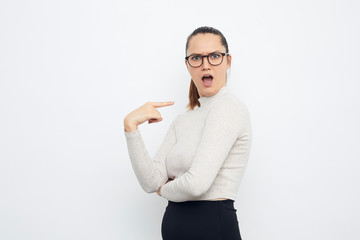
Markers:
point(228, 61)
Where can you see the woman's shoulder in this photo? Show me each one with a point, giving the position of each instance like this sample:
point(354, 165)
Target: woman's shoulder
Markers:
point(232, 102)
point(234, 109)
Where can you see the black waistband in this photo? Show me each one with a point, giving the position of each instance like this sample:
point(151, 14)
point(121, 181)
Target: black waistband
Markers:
point(197, 202)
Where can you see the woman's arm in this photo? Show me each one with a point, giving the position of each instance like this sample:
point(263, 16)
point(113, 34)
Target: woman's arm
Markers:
point(151, 173)
point(226, 121)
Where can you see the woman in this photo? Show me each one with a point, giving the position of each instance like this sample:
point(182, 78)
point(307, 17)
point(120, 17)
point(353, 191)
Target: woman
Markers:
point(201, 161)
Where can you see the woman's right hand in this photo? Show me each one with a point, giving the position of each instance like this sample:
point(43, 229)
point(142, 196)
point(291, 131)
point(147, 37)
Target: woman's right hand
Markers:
point(146, 112)
point(158, 191)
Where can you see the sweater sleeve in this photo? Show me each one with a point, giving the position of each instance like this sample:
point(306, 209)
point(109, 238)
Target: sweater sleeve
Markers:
point(151, 173)
point(225, 122)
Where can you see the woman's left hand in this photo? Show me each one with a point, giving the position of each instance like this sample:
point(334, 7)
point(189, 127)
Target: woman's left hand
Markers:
point(158, 192)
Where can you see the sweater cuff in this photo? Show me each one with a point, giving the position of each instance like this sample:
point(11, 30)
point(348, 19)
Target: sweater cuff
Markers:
point(132, 134)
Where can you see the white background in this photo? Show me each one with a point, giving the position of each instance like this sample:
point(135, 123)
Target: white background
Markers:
point(70, 71)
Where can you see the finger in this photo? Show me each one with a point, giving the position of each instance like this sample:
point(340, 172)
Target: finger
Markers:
point(153, 120)
point(162, 104)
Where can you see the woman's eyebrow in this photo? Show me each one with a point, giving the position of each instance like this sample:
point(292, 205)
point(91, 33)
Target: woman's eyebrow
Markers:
point(201, 54)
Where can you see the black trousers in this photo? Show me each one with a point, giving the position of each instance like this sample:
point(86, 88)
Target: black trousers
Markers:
point(200, 220)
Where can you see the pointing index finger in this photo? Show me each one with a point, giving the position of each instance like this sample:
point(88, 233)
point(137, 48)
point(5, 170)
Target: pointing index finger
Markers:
point(162, 104)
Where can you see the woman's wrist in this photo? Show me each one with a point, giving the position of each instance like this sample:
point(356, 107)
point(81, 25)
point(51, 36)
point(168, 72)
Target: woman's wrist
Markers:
point(158, 192)
point(129, 126)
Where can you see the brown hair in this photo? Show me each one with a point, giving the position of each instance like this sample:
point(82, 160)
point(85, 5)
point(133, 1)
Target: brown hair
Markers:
point(193, 92)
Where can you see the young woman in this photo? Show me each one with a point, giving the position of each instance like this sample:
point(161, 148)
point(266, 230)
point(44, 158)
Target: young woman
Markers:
point(201, 161)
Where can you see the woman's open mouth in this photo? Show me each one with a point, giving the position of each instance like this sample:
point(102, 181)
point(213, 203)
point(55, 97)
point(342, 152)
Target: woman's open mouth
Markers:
point(207, 80)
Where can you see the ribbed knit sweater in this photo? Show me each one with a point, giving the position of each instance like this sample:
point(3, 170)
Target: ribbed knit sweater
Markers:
point(205, 151)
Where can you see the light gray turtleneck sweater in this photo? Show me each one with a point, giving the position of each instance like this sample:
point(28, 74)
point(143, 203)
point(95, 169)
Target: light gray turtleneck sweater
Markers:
point(205, 151)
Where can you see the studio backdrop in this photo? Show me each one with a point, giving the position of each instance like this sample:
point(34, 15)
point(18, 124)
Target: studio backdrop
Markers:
point(70, 71)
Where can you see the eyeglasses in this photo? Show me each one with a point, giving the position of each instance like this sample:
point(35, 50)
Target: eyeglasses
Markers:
point(215, 58)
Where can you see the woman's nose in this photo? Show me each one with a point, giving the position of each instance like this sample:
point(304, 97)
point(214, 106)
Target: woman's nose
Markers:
point(206, 63)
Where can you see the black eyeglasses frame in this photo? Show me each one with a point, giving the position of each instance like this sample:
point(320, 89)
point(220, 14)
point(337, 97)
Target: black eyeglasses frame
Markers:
point(202, 58)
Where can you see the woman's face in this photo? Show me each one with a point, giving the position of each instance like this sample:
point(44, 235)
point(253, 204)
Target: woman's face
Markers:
point(205, 44)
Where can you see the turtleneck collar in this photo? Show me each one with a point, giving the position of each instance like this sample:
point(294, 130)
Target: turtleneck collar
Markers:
point(207, 100)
